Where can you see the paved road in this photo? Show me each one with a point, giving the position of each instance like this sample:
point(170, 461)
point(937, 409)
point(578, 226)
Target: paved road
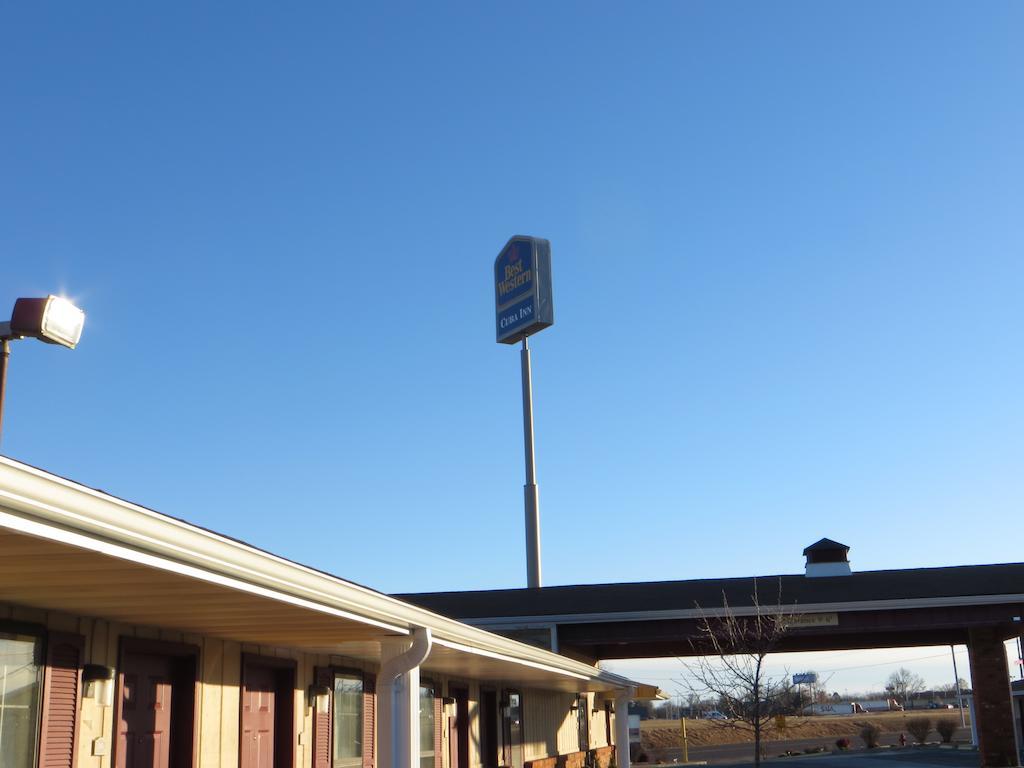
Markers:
point(928, 757)
point(742, 753)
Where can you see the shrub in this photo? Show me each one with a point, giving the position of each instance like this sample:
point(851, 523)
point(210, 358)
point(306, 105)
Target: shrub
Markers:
point(843, 743)
point(946, 727)
point(919, 728)
point(870, 732)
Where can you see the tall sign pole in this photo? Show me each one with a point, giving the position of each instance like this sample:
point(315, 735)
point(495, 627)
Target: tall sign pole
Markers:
point(523, 306)
point(531, 508)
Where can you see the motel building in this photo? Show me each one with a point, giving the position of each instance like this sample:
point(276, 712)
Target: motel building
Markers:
point(130, 639)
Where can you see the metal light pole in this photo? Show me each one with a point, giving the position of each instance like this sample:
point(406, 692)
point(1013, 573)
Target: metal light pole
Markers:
point(5, 353)
point(959, 695)
point(531, 507)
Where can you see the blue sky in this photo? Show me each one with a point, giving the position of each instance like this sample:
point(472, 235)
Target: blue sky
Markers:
point(787, 253)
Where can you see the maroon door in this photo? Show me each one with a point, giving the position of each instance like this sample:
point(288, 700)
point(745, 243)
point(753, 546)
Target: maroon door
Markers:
point(144, 727)
point(489, 729)
point(458, 728)
point(267, 727)
point(258, 717)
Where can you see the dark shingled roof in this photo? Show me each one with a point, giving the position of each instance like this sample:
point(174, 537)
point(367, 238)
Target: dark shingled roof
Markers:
point(826, 545)
point(966, 580)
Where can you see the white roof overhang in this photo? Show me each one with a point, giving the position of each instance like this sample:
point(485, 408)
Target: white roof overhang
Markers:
point(70, 548)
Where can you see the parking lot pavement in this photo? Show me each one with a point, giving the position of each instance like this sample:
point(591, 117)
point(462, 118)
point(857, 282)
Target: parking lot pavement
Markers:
point(928, 757)
point(739, 753)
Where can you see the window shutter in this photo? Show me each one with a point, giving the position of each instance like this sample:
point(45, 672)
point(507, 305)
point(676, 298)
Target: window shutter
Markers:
point(438, 725)
point(322, 723)
point(369, 720)
point(62, 685)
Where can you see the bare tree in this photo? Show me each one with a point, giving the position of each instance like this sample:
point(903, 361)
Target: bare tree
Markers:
point(731, 666)
point(904, 684)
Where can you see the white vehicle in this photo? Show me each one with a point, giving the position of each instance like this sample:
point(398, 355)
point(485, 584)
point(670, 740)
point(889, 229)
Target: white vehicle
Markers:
point(880, 705)
point(831, 708)
point(714, 714)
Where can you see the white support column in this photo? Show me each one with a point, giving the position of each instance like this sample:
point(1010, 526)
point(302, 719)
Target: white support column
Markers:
point(407, 720)
point(622, 699)
point(398, 700)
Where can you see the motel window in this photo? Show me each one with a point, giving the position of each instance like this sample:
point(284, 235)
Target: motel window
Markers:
point(427, 725)
point(583, 722)
point(348, 721)
point(20, 682)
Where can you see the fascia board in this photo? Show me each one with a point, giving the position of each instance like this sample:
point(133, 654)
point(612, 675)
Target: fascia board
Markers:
point(101, 519)
point(526, 622)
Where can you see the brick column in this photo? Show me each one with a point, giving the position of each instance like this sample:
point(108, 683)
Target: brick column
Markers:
point(997, 740)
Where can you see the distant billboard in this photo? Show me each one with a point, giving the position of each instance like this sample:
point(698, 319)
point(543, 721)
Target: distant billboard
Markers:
point(522, 289)
point(634, 729)
point(805, 678)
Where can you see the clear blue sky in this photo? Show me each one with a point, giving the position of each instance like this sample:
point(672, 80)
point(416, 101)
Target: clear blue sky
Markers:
point(788, 257)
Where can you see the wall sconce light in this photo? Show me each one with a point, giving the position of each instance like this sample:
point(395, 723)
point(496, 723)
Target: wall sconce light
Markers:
point(320, 698)
point(99, 683)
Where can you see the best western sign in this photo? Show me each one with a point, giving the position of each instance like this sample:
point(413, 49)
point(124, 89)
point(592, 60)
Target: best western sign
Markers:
point(522, 289)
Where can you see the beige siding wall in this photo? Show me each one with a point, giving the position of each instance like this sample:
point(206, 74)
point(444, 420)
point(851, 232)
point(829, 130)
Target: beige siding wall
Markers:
point(220, 666)
point(552, 726)
point(549, 723)
point(599, 736)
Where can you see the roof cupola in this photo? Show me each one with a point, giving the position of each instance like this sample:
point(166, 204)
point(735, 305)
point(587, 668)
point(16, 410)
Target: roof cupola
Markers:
point(827, 558)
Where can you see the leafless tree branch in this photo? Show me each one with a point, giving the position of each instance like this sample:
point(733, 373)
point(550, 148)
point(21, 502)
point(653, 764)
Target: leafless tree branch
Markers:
point(731, 665)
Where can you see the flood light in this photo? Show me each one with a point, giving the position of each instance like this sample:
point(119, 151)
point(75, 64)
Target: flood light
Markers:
point(54, 320)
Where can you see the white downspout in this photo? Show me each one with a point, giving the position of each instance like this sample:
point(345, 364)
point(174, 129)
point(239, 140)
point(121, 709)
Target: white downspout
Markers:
point(398, 692)
point(622, 698)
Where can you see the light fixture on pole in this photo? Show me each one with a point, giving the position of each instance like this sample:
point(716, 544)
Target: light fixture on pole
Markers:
point(54, 320)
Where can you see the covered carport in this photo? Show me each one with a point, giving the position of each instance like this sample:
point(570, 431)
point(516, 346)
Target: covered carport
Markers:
point(831, 608)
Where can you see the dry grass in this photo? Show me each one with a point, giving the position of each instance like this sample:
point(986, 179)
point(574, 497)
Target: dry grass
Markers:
point(664, 734)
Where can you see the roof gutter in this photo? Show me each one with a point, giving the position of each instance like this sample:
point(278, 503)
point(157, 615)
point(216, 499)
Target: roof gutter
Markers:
point(44, 505)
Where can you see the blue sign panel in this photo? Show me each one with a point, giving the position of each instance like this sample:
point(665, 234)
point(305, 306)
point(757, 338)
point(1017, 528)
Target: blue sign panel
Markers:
point(522, 289)
point(513, 273)
point(514, 317)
